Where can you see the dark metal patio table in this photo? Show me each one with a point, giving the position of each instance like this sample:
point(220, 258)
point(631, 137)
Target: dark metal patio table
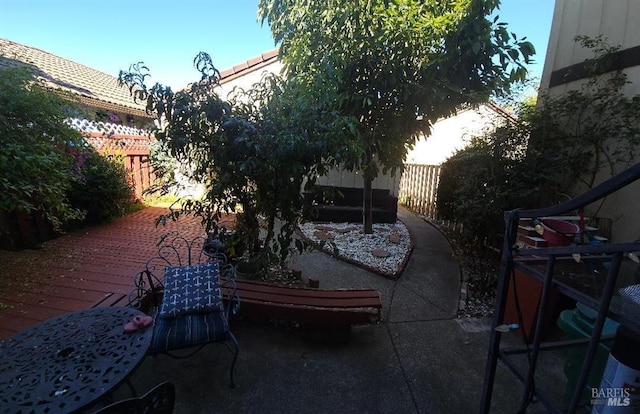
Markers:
point(69, 362)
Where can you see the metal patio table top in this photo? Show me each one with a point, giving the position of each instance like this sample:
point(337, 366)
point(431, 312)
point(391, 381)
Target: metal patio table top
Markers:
point(69, 362)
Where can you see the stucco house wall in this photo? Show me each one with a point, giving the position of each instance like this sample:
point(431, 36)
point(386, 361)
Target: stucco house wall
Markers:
point(449, 135)
point(618, 22)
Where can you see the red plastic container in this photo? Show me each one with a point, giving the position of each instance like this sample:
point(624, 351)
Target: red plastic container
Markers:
point(559, 232)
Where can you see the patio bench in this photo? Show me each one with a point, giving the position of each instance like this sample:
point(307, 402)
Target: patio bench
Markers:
point(331, 311)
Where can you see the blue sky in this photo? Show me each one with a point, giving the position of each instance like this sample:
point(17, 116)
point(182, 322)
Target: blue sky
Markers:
point(167, 35)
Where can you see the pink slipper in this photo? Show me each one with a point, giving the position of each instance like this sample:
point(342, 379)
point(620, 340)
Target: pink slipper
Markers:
point(138, 323)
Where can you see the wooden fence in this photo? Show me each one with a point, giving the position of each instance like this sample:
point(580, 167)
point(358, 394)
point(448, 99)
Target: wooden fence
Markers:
point(419, 193)
point(140, 172)
point(135, 149)
point(419, 188)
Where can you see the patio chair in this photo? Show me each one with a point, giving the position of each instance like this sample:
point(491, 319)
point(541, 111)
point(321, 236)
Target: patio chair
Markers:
point(188, 307)
point(158, 400)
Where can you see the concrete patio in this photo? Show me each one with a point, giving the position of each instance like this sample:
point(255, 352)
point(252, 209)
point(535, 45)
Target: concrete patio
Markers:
point(421, 359)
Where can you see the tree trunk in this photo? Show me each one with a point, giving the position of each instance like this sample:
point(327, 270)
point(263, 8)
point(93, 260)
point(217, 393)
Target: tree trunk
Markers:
point(367, 216)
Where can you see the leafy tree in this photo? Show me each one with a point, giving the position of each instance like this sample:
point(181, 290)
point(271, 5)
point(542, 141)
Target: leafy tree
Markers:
point(37, 151)
point(253, 154)
point(396, 66)
point(292, 138)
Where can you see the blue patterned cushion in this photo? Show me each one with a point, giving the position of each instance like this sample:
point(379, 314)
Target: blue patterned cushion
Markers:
point(188, 330)
point(191, 289)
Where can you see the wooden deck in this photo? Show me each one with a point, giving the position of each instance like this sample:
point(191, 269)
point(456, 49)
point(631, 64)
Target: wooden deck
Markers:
point(93, 267)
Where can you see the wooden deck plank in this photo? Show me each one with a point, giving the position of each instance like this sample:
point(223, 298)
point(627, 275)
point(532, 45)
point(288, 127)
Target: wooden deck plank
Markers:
point(83, 284)
point(4, 333)
point(63, 291)
point(18, 317)
point(35, 299)
point(112, 299)
point(53, 296)
point(80, 269)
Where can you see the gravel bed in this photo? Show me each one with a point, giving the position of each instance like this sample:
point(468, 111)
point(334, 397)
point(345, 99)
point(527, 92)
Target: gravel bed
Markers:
point(384, 252)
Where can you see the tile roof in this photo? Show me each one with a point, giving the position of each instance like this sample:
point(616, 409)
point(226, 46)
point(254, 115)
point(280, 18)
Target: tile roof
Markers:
point(250, 65)
point(95, 88)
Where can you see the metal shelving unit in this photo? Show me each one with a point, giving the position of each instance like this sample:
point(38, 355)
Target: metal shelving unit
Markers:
point(556, 268)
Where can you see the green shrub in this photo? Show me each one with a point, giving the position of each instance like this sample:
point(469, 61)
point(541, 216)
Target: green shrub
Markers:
point(102, 188)
point(35, 153)
point(482, 181)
